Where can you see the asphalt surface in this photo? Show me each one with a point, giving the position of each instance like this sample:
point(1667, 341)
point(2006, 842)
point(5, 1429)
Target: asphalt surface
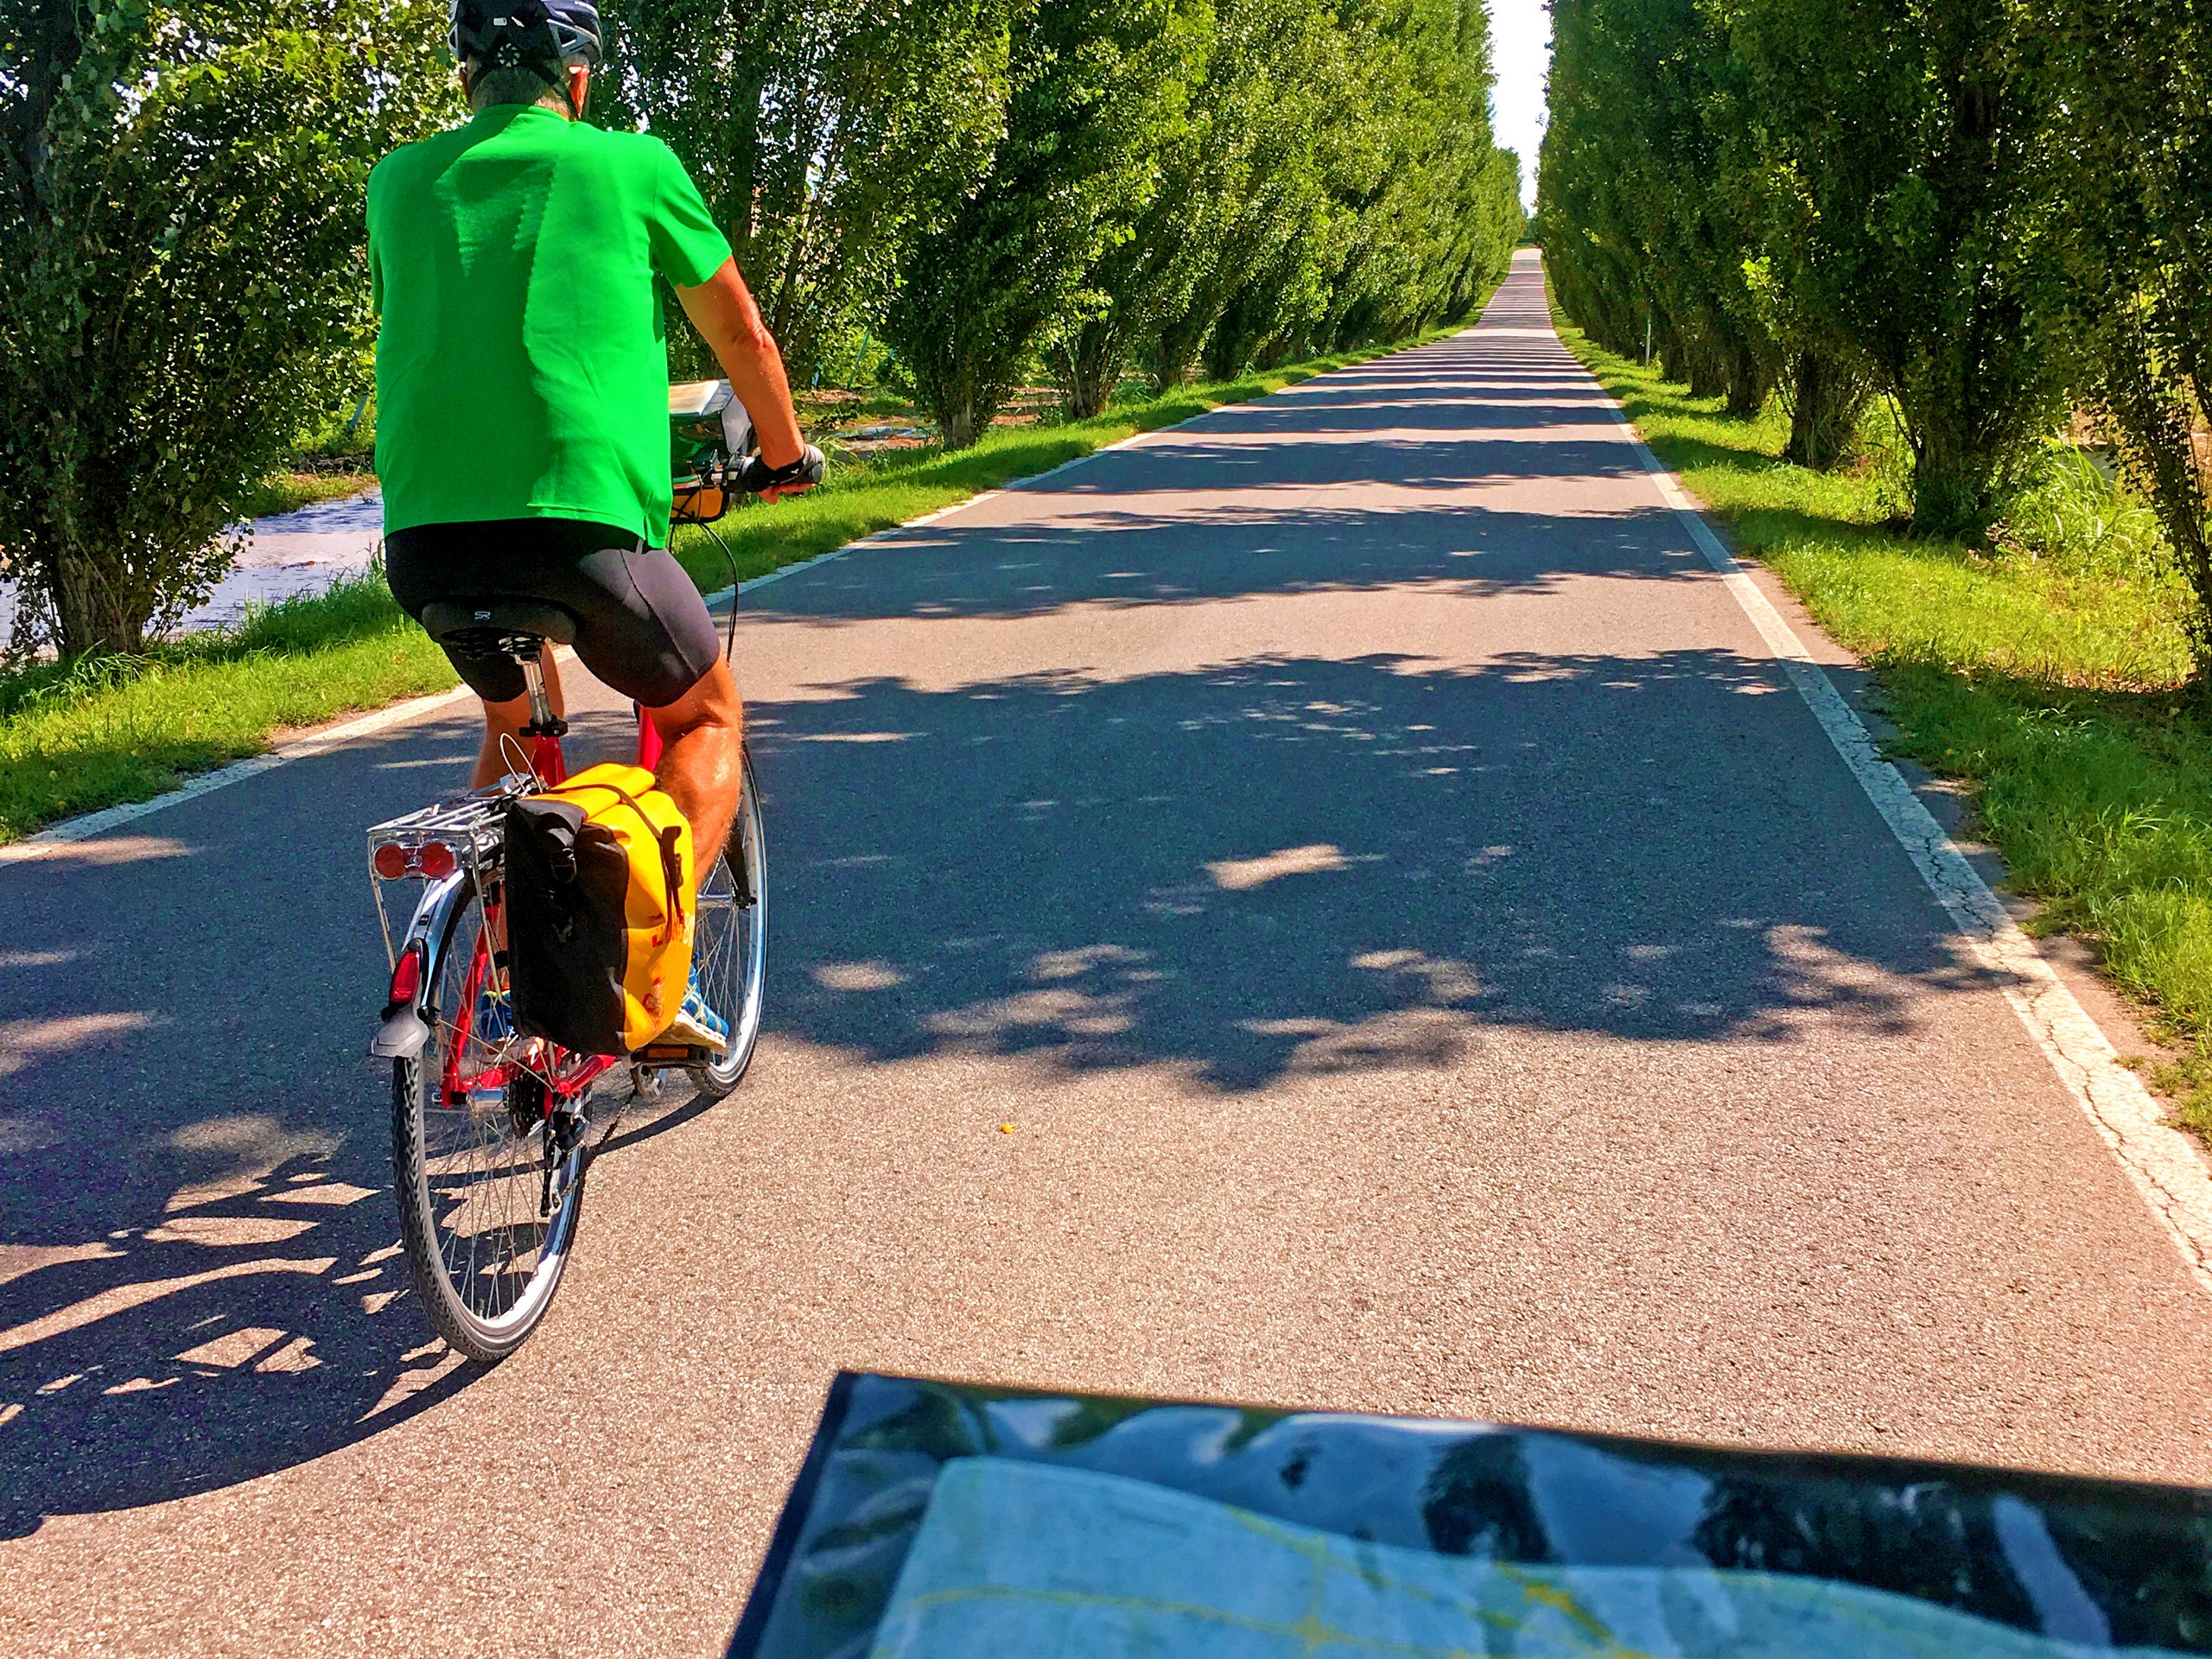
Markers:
point(1430, 958)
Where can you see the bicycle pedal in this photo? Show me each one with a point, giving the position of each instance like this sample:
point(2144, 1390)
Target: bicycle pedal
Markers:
point(672, 1054)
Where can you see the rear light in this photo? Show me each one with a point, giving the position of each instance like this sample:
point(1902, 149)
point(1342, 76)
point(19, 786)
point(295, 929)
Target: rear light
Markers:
point(406, 978)
point(435, 859)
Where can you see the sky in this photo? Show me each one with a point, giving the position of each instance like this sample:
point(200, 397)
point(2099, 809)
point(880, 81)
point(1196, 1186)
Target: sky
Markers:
point(1520, 49)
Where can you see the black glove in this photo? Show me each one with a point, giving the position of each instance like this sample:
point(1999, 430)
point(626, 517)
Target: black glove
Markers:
point(759, 476)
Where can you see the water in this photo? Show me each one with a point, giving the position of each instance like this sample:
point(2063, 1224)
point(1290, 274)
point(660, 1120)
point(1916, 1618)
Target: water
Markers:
point(290, 554)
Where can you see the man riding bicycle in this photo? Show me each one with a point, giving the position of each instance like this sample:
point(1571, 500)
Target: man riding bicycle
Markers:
point(522, 396)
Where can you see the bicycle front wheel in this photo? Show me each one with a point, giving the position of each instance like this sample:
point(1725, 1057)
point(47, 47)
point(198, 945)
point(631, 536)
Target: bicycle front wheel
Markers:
point(485, 1221)
point(729, 943)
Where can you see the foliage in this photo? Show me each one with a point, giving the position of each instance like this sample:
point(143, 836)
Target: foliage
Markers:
point(2133, 160)
point(1887, 202)
point(1096, 95)
point(180, 203)
point(823, 134)
point(1345, 187)
point(1437, 204)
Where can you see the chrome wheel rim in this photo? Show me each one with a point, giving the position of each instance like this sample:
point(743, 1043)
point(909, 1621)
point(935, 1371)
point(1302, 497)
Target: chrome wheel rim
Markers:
point(482, 1172)
point(730, 943)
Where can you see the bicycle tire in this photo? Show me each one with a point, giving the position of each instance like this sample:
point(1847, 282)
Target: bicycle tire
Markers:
point(481, 1310)
point(730, 943)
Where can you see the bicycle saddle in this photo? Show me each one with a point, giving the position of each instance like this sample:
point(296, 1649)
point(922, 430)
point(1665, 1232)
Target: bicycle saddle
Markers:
point(467, 622)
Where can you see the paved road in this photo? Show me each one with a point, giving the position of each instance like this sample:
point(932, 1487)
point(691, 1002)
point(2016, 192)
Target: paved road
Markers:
point(1432, 961)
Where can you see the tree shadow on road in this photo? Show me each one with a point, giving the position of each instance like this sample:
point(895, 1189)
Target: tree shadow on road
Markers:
point(1263, 541)
point(1291, 866)
point(200, 1278)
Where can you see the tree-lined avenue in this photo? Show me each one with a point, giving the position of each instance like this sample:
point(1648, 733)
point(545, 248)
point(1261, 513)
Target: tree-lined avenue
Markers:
point(1429, 956)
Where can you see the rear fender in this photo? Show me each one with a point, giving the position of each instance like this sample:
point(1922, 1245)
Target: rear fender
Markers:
point(405, 1031)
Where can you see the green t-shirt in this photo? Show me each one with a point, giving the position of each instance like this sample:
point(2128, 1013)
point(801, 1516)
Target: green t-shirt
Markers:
point(522, 366)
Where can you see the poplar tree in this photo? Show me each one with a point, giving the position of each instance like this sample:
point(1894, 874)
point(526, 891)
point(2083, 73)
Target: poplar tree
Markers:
point(823, 134)
point(1097, 94)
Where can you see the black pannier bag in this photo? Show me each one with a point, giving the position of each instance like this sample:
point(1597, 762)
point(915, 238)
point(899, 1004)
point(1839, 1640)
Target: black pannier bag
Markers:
point(567, 881)
point(599, 922)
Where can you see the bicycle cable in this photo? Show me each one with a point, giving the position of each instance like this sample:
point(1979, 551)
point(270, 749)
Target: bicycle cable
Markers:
point(729, 636)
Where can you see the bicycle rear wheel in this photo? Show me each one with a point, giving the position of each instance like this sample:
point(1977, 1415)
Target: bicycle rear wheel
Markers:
point(469, 1130)
point(729, 943)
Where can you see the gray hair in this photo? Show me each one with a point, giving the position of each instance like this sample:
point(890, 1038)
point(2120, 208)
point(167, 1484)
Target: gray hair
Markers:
point(520, 85)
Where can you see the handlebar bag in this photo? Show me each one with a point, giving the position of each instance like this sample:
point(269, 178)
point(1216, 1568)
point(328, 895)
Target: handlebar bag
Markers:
point(600, 887)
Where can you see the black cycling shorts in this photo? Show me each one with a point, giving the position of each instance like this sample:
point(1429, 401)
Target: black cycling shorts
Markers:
point(641, 626)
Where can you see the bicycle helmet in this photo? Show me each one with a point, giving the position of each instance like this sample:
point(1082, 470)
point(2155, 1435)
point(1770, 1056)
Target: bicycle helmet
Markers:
point(539, 36)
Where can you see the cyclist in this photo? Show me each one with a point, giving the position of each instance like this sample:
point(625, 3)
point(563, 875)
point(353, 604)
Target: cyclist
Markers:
point(522, 394)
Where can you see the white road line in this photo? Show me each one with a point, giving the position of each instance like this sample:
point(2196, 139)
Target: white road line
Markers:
point(46, 840)
point(2160, 1160)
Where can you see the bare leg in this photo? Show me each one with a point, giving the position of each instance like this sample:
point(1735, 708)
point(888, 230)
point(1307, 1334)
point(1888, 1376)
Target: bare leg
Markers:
point(504, 720)
point(702, 768)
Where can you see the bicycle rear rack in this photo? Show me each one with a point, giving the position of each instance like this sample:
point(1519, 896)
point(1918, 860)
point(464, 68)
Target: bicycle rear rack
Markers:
point(433, 841)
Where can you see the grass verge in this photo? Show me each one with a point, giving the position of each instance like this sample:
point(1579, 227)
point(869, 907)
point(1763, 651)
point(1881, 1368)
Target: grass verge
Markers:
point(2049, 675)
point(77, 737)
point(864, 496)
point(80, 736)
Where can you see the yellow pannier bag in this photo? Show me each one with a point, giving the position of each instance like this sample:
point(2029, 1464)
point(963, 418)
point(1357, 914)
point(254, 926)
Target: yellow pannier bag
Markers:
point(599, 889)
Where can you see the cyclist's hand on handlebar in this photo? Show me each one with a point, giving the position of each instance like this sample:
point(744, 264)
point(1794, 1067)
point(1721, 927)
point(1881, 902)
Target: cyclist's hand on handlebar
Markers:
point(770, 483)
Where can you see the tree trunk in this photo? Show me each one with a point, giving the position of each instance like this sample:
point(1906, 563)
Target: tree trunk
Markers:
point(958, 424)
point(1748, 381)
point(2158, 447)
point(1708, 375)
point(89, 613)
point(1177, 349)
point(1827, 400)
point(1094, 367)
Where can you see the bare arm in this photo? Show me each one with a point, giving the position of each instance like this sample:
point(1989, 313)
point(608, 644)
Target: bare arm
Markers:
point(722, 310)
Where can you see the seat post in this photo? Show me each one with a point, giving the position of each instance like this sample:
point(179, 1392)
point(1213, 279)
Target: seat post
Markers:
point(543, 722)
point(541, 706)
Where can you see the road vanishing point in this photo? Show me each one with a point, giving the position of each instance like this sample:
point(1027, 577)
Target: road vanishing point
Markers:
point(1429, 956)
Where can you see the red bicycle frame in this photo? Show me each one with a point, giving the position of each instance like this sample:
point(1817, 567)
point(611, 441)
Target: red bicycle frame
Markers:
point(565, 1076)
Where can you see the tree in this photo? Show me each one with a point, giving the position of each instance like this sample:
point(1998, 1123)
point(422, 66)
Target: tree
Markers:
point(823, 134)
point(1910, 219)
point(1282, 227)
point(2134, 186)
point(1241, 209)
point(1149, 274)
point(180, 205)
point(1645, 116)
point(1097, 94)
point(1394, 209)
point(1438, 221)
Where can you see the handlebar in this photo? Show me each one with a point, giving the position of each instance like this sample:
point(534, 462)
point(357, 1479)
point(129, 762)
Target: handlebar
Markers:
point(758, 477)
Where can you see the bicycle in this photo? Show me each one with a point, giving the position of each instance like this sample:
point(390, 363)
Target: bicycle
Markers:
point(493, 1130)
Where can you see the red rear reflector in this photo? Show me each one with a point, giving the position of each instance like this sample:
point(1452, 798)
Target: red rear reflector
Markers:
point(406, 977)
point(389, 861)
point(436, 859)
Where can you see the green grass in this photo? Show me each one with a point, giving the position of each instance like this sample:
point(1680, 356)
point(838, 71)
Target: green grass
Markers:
point(289, 492)
point(2049, 674)
point(76, 737)
point(865, 495)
